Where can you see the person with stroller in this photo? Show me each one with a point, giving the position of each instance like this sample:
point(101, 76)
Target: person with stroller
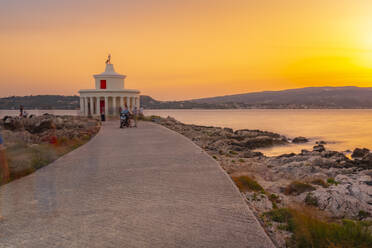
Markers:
point(125, 118)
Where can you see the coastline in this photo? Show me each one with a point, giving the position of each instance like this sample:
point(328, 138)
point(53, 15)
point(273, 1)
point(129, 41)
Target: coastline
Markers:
point(321, 182)
point(318, 184)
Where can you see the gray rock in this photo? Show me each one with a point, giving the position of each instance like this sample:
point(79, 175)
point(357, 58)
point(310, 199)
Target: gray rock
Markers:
point(299, 140)
point(251, 154)
point(12, 123)
point(258, 202)
point(346, 199)
point(40, 126)
point(359, 152)
point(319, 148)
point(229, 130)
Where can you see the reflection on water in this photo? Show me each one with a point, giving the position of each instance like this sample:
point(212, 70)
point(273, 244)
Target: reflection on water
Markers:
point(341, 129)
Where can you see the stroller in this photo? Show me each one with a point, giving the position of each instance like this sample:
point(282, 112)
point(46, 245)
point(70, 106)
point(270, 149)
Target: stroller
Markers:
point(124, 120)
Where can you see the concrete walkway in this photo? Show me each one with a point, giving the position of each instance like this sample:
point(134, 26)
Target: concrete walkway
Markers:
point(145, 187)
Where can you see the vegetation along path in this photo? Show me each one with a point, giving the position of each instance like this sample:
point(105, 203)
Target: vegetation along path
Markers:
point(144, 187)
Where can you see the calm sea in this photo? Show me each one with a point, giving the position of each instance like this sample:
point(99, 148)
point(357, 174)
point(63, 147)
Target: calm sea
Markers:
point(341, 129)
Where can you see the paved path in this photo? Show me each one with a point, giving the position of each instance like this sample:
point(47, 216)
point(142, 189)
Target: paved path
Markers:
point(145, 187)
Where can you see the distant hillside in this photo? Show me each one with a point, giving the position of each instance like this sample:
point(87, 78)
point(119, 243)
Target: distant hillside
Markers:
point(313, 97)
point(148, 102)
point(73, 102)
point(40, 102)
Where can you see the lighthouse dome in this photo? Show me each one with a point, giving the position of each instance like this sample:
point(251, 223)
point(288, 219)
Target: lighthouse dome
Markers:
point(109, 79)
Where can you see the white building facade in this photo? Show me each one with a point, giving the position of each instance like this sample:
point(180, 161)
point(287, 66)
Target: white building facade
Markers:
point(109, 95)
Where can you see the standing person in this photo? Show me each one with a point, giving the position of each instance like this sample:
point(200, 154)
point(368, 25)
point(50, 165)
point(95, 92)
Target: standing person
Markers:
point(21, 110)
point(135, 116)
point(3, 162)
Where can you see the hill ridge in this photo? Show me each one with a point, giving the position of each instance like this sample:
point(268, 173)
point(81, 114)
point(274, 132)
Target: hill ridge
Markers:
point(341, 97)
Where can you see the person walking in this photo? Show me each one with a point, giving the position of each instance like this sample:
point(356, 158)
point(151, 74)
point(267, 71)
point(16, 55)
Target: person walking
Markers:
point(21, 110)
point(135, 116)
point(3, 162)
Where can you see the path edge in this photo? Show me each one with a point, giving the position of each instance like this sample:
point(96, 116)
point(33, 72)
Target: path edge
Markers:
point(226, 175)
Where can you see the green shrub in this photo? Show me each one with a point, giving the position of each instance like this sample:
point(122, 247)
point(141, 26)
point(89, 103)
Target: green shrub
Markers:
point(274, 198)
point(311, 200)
point(297, 188)
point(332, 181)
point(246, 183)
point(241, 160)
point(281, 215)
point(363, 214)
point(214, 156)
point(233, 152)
point(320, 182)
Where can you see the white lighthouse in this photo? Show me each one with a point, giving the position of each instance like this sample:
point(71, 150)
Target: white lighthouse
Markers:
point(109, 94)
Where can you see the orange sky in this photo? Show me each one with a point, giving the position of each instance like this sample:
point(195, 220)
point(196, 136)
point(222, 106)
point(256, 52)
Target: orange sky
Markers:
point(184, 49)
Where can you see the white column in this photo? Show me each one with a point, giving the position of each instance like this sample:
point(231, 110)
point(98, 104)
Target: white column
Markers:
point(114, 106)
point(127, 102)
point(122, 102)
point(91, 106)
point(106, 106)
point(98, 106)
point(86, 106)
point(81, 105)
point(138, 102)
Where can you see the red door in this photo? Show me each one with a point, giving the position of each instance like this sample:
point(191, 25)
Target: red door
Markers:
point(103, 84)
point(102, 106)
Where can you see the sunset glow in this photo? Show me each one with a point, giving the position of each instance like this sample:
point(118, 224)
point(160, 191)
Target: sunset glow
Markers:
point(184, 49)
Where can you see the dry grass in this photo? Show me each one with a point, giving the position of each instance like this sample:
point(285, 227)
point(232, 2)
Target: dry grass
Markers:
point(24, 159)
point(246, 183)
point(297, 188)
point(311, 230)
point(320, 182)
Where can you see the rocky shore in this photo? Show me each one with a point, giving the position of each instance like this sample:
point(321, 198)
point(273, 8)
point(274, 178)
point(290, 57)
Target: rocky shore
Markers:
point(322, 180)
point(36, 141)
